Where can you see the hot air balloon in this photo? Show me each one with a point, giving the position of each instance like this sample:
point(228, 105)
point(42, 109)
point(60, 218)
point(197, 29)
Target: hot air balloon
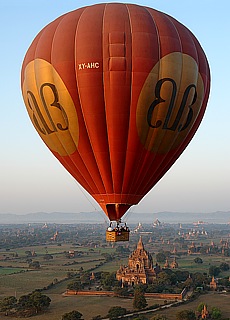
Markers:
point(116, 92)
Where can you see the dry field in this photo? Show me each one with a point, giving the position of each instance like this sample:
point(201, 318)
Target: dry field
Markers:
point(212, 300)
point(24, 282)
point(91, 306)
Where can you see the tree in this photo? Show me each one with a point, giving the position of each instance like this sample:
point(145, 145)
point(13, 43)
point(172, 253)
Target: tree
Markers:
point(224, 266)
point(39, 301)
point(214, 271)
point(115, 312)
point(139, 301)
point(198, 260)
point(73, 315)
point(70, 274)
point(224, 282)
point(122, 292)
point(121, 249)
point(188, 282)
point(159, 317)
point(216, 313)
point(109, 280)
point(7, 304)
point(24, 302)
point(226, 252)
point(140, 317)
point(198, 279)
point(35, 302)
point(98, 317)
point(152, 287)
point(161, 257)
point(186, 315)
point(34, 265)
point(166, 278)
point(181, 275)
point(85, 278)
point(75, 285)
point(48, 257)
point(200, 306)
point(108, 257)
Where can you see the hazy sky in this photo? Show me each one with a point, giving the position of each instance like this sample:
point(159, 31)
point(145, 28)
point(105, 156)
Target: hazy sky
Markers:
point(32, 180)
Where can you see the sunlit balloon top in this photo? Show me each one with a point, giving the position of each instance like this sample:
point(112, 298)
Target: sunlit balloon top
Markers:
point(116, 92)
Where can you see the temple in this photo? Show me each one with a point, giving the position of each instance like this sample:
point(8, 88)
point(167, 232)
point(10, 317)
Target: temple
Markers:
point(140, 268)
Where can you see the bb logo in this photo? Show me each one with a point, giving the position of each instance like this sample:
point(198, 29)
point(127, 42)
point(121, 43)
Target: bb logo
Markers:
point(51, 107)
point(169, 103)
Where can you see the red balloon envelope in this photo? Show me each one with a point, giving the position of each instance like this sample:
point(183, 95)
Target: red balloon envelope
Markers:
point(116, 92)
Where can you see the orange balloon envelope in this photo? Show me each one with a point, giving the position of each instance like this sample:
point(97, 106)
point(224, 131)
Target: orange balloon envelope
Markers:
point(116, 92)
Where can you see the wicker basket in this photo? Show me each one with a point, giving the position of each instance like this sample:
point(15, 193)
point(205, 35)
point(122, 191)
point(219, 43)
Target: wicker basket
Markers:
point(114, 236)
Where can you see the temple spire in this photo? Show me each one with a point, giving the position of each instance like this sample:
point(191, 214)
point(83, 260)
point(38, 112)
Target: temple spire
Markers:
point(140, 245)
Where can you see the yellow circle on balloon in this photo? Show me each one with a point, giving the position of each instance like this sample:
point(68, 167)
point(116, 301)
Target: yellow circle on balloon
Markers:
point(50, 107)
point(169, 103)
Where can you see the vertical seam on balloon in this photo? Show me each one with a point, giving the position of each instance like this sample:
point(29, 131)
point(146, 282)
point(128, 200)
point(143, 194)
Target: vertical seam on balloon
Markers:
point(182, 68)
point(71, 97)
point(81, 104)
point(79, 174)
point(35, 54)
point(142, 178)
point(166, 161)
point(63, 146)
point(207, 79)
point(160, 165)
point(148, 181)
point(136, 174)
point(103, 81)
point(51, 137)
point(138, 177)
point(190, 35)
point(184, 145)
point(51, 55)
point(175, 155)
point(82, 109)
point(131, 94)
point(159, 64)
point(77, 88)
point(104, 93)
point(63, 158)
point(36, 77)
